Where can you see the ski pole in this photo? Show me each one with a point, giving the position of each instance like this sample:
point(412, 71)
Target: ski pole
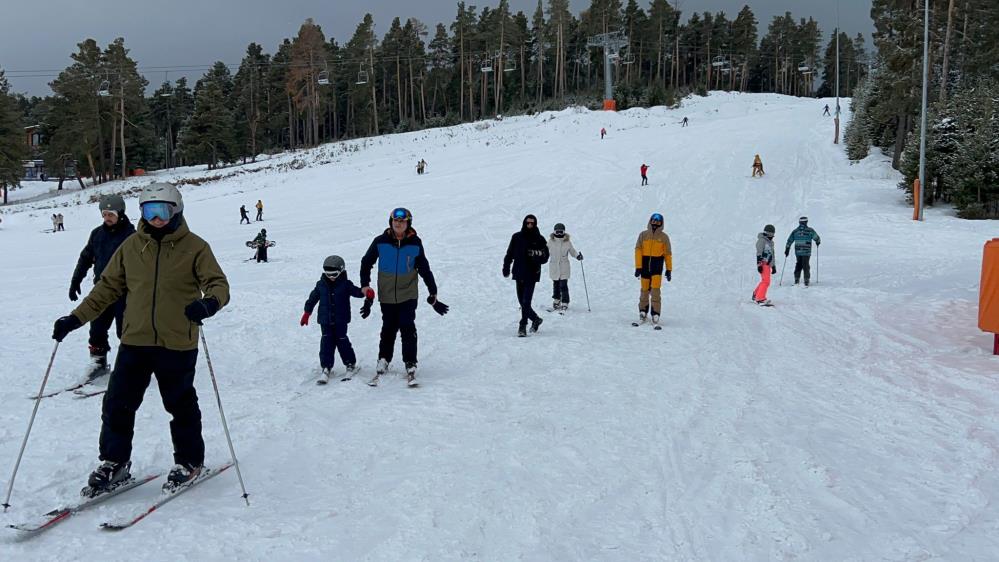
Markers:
point(585, 290)
point(31, 422)
point(225, 426)
point(782, 271)
point(816, 264)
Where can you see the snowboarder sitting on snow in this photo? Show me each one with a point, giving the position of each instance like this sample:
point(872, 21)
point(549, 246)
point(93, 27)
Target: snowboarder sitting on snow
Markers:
point(173, 283)
point(525, 254)
point(652, 252)
point(764, 263)
point(261, 244)
point(243, 216)
point(757, 166)
point(559, 249)
point(101, 245)
point(802, 238)
point(645, 178)
point(333, 292)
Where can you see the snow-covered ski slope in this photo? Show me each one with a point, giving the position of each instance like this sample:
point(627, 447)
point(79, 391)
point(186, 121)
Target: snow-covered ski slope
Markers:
point(855, 420)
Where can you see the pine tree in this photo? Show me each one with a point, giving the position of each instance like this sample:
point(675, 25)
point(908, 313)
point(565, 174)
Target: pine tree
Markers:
point(208, 135)
point(13, 148)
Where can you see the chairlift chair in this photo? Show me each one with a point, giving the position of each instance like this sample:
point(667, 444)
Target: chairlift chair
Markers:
point(509, 64)
point(803, 67)
point(487, 66)
point(362, 77)
point(324, 78)
point(629, 58)
point(104, 90)
point(719, 61)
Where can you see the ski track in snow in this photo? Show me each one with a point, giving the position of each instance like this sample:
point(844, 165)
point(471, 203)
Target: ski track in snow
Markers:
point(854, 421)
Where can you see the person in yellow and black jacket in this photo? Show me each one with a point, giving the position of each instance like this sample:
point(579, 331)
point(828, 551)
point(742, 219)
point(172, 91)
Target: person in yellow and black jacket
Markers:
point(652, 252)
point(171, 282)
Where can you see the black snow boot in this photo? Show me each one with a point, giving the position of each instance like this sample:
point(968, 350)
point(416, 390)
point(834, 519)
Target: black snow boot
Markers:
point(181, 475)
point(107, 477)
point(522, 331)
point(535, 324)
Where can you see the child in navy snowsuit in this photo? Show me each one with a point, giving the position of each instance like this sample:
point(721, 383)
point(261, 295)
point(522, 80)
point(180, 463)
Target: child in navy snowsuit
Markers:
point(333, 292)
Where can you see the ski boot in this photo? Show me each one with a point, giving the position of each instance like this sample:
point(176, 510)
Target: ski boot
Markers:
point(535, 324)
point(324, 378)
point(98, 363)
point(642, 317)
point(382, 367)
point(351, 371)
point(106, 477)
point(411, 374)
point(522, 331)
point(180, 476)
point(556, 305)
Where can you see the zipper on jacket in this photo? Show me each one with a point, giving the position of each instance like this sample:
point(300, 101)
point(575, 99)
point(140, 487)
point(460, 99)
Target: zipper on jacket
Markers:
point(156, 282)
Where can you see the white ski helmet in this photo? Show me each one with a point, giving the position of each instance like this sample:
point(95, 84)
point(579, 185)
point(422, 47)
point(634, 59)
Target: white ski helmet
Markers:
point(162, 191)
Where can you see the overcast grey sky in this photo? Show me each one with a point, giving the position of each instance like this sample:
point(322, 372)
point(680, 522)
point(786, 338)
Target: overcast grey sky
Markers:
point(40, 35)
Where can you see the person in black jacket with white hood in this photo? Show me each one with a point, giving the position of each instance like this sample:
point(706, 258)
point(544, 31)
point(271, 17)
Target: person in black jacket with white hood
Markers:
point(101, 245)
point(527, 252)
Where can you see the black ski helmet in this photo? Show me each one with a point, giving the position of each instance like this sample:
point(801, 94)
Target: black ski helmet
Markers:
point(334, 266)
point(263, 231)
point(803, 220)
point(559, 226)
point(769, 229)
point(112, 202)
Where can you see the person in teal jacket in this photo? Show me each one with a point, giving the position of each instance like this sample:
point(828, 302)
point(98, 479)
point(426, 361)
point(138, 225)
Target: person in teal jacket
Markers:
point(802, 238)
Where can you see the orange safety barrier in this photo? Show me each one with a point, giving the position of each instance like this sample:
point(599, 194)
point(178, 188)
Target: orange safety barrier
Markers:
point(610, 105)
point(988, 292)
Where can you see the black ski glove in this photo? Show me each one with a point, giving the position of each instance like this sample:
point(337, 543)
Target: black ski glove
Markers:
point(366, 308)
point(506, 272)
point(773, 269)
point(787, 251)
point(64, 326)
point(638, 272)
point(579, 256)
point(759, 269)
point(200, 309)
point(669, 275)
point(74, 290)
point(439, 307)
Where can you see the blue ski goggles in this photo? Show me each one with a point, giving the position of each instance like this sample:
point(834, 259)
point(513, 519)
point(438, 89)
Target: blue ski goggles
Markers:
point(157, 210)
point(401, 214)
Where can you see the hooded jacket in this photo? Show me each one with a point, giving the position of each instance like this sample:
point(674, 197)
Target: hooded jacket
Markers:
point(159, 278)
point(764, 249)
point(333, 298)
point(559, 250)
point(653, 251)
point(101, 245)
point(399, 264)
point(526, 253)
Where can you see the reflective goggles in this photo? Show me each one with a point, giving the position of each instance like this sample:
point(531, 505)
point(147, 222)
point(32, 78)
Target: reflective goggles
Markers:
point(656, 217)
point(157, 210)
point(333, 273)
point(400, 214)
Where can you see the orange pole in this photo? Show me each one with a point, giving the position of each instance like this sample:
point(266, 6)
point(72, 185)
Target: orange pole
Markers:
point(916, 199)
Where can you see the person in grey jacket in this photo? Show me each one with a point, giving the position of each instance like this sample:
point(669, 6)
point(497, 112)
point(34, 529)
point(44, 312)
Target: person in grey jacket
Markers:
point(559, 249)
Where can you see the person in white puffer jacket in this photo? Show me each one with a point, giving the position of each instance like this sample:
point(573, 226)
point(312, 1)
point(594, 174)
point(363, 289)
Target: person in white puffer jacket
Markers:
point(560, 248)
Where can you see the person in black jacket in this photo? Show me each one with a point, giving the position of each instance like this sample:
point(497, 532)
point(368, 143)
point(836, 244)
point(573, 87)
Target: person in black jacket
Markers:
point(527, 252)
point(332, 293)
point(101, 245)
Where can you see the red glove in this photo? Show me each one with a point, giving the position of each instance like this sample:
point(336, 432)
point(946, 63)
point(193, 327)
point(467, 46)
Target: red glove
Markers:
point(305, 319)
point(370, 294)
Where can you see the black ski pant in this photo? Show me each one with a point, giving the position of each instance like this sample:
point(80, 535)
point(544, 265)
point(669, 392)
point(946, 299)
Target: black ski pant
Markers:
point(645, 180)
point(260, 214)
point(802, 265)
point(560, 290)
point(132, 372)
point(99, 343)
point(525, 294)
point(244, 218)
point(335, 339)
point(261, 253)
point(398, 318)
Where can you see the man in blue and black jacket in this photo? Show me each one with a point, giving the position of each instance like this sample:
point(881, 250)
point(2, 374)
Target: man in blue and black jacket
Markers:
point(102, 244)
point(802, 238)
point(401, 258)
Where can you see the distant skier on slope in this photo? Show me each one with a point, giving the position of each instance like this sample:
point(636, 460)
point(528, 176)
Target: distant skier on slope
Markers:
point(559, 249)
point(401, 258)
point(603, 133)
point(525, 254)
point(757, 166)
point(260, 209)
point(826, 112)
point(332, 293)
point(645, 178)
point(173, 283)
point(764, 263)
point(802, 238)
point(243, 216)
point(685, 122)
point(101, 245)
point(652, 253)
